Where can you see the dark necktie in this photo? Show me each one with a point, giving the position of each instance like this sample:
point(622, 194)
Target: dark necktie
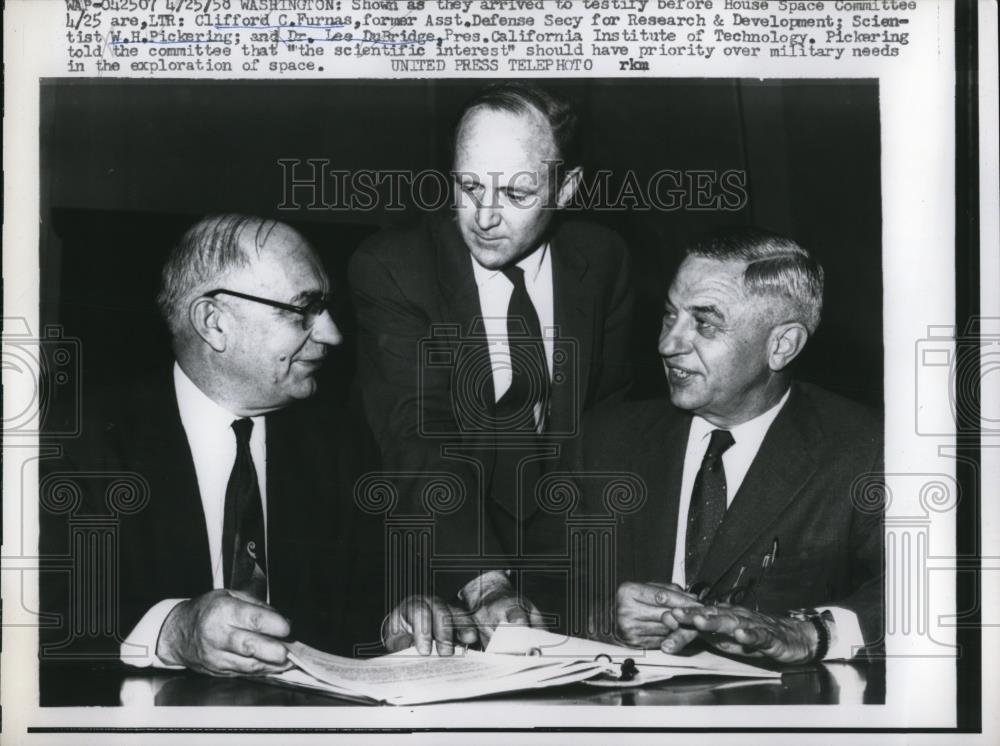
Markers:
point(244, 561)
point(708, 504)
point(529, 384)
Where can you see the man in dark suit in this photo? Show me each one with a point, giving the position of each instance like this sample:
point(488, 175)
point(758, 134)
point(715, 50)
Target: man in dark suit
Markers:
point(486, 331)
point(760, 529)
point(236, 535)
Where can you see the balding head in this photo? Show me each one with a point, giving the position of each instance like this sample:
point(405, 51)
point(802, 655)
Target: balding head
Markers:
point(508, 148)
point(211, 249)
point(556, 114)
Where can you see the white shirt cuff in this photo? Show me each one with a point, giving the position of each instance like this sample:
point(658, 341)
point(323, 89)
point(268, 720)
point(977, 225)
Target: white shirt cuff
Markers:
point(846, 639)
point(139, 648)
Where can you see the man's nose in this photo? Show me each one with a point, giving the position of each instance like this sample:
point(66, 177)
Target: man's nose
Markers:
point(325, 331)
point(487, 214)
point(674, 340)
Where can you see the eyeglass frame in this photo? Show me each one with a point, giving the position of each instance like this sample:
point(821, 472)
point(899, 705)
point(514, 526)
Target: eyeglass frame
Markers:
point(324, 303)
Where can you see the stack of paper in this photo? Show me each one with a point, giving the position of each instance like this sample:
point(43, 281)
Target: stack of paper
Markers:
point(517, 658)
point(407, 678)
point(651, 665)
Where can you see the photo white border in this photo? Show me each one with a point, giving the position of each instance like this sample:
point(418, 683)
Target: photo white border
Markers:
point(918, 129)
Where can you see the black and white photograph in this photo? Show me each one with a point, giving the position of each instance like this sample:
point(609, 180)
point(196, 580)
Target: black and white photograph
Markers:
point(452, 404)
point(683, 269)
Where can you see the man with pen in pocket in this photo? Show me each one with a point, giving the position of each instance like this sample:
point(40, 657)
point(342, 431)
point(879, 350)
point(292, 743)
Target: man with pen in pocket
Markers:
point(761, 528)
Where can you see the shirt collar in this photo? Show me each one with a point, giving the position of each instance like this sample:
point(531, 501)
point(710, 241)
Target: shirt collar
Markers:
point(751, 431)
point(531, 264)
point(199, 413)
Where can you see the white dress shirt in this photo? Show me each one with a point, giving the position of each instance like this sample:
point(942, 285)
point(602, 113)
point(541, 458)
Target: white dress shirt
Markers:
point(494, 298)
point(736, 461)
point(210, 435)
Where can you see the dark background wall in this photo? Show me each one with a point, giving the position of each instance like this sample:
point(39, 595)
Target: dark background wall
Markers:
point(128, 166)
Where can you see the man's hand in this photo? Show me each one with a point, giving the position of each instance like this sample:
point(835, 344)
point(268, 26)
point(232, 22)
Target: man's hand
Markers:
point(419, 621)
point(740, 631)
point(224, 633)
point(492, 600)
point(643, 619)
point(504, 607)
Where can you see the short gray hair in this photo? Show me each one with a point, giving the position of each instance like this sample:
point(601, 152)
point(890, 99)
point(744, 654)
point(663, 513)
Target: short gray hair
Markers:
point(210, 249)
point(776, 267)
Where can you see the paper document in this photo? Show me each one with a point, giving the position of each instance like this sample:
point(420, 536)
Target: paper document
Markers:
point(518, 658)
point(518, 640)
point(407, 677)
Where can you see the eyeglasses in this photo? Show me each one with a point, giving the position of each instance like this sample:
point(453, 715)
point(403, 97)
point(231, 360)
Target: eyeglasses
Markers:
point(309, 312)
point(741, 593)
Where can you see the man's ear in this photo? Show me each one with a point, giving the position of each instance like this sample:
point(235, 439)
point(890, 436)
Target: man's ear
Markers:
point(786, 342)
point(205, 317)
point(570, 183)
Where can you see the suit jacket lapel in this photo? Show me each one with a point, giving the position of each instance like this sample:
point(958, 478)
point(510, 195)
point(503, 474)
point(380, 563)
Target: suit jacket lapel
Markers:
point(787, 458)
point(574, 319)
point(460, 304)
point(282, 500)
point(653, 530)
point(459, 293)
point(160, 453)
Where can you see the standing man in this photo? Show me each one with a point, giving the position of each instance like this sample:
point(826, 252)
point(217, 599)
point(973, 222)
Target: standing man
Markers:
point(761, 530)
point(248, 536)
point(487, 331)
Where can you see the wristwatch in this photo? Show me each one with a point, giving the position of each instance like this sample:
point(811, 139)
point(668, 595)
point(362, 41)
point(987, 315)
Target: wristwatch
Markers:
point(822, 621)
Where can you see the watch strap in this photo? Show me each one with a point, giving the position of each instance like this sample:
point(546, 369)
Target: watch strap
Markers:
point(819, 622)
